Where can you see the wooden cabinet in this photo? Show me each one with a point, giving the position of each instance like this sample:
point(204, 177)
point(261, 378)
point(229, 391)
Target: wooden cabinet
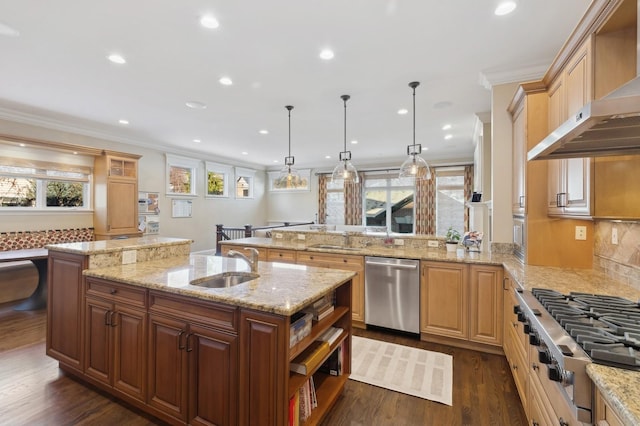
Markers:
point(485, 302)
point(444, 304)
point(115, 196)
point(346, 262)
point(570, 180)
point(281, 255)
point(519, 159)
point(116, 336)
point(604, 414)
point(193, 360)
point(65, 308)
point(461, 301)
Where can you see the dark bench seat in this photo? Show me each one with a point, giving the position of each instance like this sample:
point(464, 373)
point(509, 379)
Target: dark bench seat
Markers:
point(39, 258)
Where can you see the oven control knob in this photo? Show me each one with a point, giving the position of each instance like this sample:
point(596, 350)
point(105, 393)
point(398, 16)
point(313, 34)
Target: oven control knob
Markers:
point(534, 339)
point(555, 373)
point(516, 309)
point(526, 328)
point(544, 356)
point(521, 317)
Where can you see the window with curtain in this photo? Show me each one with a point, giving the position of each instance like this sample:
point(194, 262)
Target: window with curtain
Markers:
point(450, 197)
point(388, 202)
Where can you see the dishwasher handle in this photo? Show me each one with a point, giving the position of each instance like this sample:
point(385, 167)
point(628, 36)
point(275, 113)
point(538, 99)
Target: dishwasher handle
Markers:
point(391, 265)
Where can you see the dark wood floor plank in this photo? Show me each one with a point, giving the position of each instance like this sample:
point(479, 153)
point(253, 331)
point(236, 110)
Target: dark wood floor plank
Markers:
point(34, 391)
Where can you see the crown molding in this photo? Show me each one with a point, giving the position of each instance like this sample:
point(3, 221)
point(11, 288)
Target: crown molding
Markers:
point(494, 77)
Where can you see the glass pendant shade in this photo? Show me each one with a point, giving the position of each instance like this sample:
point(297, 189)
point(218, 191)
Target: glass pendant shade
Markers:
point(345, 170)
point(415, 167)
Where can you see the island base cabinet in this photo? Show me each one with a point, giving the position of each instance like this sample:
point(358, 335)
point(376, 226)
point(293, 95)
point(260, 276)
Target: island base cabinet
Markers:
point(192, 372)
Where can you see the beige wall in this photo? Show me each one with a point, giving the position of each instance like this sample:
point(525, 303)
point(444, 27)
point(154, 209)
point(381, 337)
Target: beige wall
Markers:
point(501, 173)
point(294, 206)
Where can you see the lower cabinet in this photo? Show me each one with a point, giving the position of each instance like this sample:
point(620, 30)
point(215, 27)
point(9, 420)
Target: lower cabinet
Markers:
point(461, 301)
point(604, 414)
point(192, 366)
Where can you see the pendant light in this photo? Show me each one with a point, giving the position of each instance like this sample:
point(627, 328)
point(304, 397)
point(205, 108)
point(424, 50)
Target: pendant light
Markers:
point(345, 170)
point(415, 166)
point(288, 175)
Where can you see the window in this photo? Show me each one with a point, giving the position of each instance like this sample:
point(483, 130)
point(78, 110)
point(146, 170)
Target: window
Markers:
point(388, 203)
point(36, 184)
point(449, 199)
point(218, 179)
point(335, 203)
point(181, 175)
point(244, 182)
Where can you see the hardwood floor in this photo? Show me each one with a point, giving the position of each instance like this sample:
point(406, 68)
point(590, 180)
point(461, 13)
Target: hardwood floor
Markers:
point(34, 391)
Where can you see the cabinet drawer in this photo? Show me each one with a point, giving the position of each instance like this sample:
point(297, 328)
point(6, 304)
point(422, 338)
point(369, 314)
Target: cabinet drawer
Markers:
point(117, 292)
point(209, 313)
point(337, 261)
point(278, 255)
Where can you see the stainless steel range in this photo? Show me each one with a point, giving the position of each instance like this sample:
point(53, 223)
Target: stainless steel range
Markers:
point(570, 331)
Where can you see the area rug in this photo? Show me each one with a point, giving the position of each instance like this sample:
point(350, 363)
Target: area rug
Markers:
point(412, 371)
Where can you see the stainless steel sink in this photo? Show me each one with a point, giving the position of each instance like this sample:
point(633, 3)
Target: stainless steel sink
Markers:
point(226, 279)
point(334, 247)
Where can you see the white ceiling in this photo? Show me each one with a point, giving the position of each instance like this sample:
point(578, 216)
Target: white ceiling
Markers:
point(56, 72)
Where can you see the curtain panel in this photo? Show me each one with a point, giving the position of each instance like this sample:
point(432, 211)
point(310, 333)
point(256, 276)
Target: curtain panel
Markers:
point(425, 205)
point(468, 191)
point(353, 201)
point(322, 198)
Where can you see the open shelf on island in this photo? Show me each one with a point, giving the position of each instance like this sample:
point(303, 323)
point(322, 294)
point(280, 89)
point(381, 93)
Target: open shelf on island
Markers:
point(317, 330)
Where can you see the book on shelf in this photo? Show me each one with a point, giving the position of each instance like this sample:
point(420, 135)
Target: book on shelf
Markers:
point(320, 309)
point(310, 358)
point(294, 410)
point(331, 335)
point(333, 364)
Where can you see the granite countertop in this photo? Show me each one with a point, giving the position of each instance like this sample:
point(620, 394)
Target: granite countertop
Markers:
point(280, 288)
point(618, 386)
point(110, 246)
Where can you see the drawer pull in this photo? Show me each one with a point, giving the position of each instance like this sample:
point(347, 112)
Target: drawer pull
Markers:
point(106, 318)
point(189, 348)
point(180, 345)
point(111, 320)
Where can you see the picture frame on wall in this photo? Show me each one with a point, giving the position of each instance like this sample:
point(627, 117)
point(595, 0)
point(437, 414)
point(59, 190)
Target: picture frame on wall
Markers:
point(281, 184)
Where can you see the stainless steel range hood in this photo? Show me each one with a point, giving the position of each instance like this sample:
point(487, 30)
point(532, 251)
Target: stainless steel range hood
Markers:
point(607, 126)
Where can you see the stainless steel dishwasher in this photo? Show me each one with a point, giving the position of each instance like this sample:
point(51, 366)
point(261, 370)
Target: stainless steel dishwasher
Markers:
point(392, 293)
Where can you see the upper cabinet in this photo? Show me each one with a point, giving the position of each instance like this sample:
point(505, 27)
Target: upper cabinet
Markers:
point(116, 196)
point(570, 186)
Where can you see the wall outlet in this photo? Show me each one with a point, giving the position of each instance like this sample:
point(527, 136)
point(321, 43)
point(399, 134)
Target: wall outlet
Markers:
point(278, 235)
point(581, 232)
point(399, 242)
point(614, 236)
point(302, 236)
point(432, 243)
point(128, 256)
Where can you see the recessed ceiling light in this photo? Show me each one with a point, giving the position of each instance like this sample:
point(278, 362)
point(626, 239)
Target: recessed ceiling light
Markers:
point(275, 161)
point(447, 137)
point(264, 132)
point(326, 54)
point(403, 111)
point(209, 21)
point(443, 105)
point(446, 127)
point(225, 81)
point(505, 7)
point(355, 142)
point(22, 144)
point(327, 157)
point(6, 30)
point(196, 104)
point(123, 121)
point(245, 153)
point(117, 59)
point(197, 140)
point(75, 152)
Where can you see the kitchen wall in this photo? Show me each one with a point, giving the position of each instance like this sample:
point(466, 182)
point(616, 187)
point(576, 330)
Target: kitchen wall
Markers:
point(206, 212)
point(620, 261)
point(293, 206)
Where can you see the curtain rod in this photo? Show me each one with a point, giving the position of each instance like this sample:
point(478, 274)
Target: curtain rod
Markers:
point(396, 169)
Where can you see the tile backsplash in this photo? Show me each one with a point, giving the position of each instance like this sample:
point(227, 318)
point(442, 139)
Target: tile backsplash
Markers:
point(620, 261)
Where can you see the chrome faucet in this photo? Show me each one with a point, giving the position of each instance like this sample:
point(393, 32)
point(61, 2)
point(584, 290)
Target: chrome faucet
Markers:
point(252, 260)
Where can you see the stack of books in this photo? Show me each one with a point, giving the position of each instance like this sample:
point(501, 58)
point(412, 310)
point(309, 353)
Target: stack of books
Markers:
point(300, 327)
point(310, 358)
point(333, 364)
point(321, 308)
point(302, 403)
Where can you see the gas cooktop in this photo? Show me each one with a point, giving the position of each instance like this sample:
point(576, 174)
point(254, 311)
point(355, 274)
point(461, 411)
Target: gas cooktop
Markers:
point(606, 327)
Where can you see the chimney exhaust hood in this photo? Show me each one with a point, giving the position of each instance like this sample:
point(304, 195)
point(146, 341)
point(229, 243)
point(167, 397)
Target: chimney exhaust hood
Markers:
point(607, 126)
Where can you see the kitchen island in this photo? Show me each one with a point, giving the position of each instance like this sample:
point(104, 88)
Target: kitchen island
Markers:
point(151, 335)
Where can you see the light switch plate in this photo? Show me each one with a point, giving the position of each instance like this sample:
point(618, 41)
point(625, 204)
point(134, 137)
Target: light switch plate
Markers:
point(278, 235)
point(128, 256)
point(398, 242)
point(301, 236)
point(432, 243)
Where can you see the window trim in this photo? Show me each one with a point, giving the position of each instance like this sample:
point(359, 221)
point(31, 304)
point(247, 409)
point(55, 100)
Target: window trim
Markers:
point(186, 163)
point(243, 172)
point(220, 169)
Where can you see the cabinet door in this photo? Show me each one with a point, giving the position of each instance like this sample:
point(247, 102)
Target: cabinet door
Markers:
point(485, 298)
point(129, 327)
point(578, 186)
point(578, 78)
point(65, 308)
point(557, 116)
point(99, 314)
point(122, 205)
point(167, 363)
point(519, 160)
point(213, 376)
point(444, 294)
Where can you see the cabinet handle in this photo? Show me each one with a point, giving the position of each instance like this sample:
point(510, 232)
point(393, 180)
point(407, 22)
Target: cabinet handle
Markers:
point(534, 366)
point(189, 348)
point(504, 283)
point(111, 321)
point(345, 260)
point(534, 423)
point(521, 201)
point(561, 199)
point(311, 257)
point(180, 345)
point(106, 318)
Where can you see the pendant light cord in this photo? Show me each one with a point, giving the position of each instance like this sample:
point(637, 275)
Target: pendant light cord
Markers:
point(413, 85)
point(289, 108)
